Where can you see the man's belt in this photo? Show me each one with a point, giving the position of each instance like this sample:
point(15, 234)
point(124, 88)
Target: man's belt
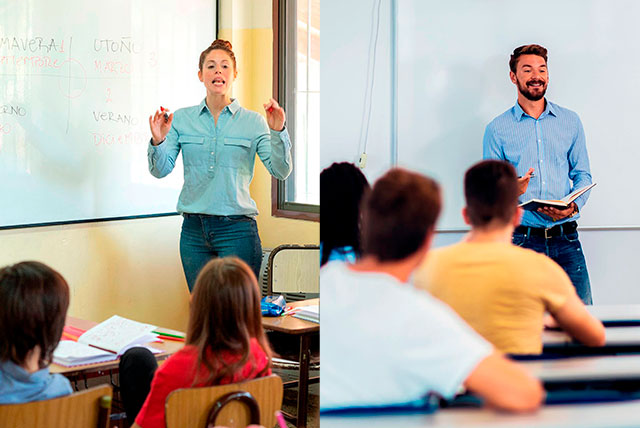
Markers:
point(541, 232)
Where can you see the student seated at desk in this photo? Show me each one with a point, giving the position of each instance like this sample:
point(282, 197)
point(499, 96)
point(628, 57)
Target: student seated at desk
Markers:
point(500, 289)
point(33, 306)
point(225, 344)
point(386, 343)
point(342, 186)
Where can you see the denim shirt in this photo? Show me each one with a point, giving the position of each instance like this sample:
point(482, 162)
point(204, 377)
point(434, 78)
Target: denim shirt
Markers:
point(219, 159)
point(554, 145)
point(19, 386)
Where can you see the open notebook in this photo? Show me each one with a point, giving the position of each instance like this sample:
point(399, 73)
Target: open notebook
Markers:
point(104, 342)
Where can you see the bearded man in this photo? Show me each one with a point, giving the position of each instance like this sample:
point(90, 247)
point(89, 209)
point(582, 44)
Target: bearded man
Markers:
point(546, 145)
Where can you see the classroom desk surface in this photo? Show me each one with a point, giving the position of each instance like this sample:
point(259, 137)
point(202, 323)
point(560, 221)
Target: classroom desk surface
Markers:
point(614, 313)
point(292, 325)
point(615, 336)
point(618, 414)
point(585, 368)
point(168, 347)
point(303, 330)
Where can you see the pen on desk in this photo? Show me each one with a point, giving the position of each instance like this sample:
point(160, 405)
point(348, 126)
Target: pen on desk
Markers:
point(160, 333)
point(70, 336)
point(175, 339)
point(280, 419)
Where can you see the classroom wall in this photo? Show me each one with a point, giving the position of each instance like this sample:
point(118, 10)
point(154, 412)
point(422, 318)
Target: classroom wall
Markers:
point(132, 267)
point(248, 25)
point(346, 51)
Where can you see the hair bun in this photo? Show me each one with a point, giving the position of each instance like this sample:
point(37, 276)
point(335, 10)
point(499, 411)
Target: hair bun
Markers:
point(220, 43)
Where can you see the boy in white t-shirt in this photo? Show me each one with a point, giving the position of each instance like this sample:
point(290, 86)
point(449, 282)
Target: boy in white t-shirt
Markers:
point(386, 343)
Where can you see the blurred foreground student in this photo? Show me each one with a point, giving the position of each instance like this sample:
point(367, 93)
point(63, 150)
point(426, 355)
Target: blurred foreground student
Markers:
point(225, 344)
point(33, 305)
point(500, 289)
point(342, 186)
point(385, 342)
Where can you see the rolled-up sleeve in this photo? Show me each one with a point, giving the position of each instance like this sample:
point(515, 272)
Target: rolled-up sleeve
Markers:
point(274, 150)
point(162, 158)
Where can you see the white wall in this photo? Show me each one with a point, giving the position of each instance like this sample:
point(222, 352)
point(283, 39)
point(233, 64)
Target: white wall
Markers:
point(344, 56)
point(453, 79)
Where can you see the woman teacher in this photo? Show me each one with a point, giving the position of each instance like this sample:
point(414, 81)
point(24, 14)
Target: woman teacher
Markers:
point(219, 140)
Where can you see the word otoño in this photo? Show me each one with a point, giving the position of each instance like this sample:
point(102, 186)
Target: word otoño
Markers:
point(125, 44)
point(33, 44)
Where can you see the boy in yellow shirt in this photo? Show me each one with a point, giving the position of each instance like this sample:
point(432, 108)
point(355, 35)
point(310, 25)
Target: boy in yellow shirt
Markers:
point(500, 289)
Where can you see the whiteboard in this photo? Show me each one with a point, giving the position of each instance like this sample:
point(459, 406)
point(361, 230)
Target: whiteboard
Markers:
point(79, 81)
point(453, 80)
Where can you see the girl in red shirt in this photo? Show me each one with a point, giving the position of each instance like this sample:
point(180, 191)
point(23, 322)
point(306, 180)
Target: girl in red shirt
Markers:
point(225, 344)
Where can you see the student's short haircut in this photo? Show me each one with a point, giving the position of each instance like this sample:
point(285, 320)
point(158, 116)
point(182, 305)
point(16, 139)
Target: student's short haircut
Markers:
point(526, 50)
point(398, 214)
point(491, 191)
point(33, 306)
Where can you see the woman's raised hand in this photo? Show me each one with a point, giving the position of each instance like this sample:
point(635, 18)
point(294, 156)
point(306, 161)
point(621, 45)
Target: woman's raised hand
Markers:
point(275, 115)
point(160, 125)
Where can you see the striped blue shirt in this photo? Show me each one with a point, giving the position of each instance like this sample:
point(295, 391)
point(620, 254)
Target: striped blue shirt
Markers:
point(219, 158)
point(553, 145)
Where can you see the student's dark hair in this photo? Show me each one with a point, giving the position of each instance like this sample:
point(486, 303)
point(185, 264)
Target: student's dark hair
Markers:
point(342, 187)
point(219, 44)
point(526, 50)
point(224, 316)
point(33, 306)
point(398, 214)
point(491, 191)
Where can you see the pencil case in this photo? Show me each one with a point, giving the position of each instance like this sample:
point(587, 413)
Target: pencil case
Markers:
point(273, 306)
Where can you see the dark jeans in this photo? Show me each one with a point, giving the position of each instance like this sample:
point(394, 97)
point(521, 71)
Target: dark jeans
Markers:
point(137, 367)
point(567, 252)
point(204, 237)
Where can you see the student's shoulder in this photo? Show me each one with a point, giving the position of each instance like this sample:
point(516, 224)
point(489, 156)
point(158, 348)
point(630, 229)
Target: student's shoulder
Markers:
point(61, 385)
point(185, 358)
point(539, 266)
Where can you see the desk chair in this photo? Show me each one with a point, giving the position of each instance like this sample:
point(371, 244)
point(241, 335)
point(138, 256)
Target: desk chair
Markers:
point(88, 408)
point(294, 270)
point(235, 405)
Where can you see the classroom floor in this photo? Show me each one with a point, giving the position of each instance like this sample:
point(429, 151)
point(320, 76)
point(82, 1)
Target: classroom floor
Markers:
point(291, 395)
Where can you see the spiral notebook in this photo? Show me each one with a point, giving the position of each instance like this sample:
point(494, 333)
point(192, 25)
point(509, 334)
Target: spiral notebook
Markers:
point(104, 342)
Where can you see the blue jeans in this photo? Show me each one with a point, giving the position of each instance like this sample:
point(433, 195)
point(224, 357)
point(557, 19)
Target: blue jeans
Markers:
point(204, 237)
point(567, 252)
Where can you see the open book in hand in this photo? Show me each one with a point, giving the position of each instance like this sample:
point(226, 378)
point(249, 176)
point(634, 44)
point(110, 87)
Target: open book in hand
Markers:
point(104, 342)
point(534, 204)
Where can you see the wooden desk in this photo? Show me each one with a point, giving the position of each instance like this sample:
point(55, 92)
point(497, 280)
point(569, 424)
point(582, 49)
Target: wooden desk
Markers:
point(619, 414)
point(99, 369)
point(304, 330)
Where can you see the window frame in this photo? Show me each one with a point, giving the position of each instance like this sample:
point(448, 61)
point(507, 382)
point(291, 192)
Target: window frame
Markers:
point(279, 206)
